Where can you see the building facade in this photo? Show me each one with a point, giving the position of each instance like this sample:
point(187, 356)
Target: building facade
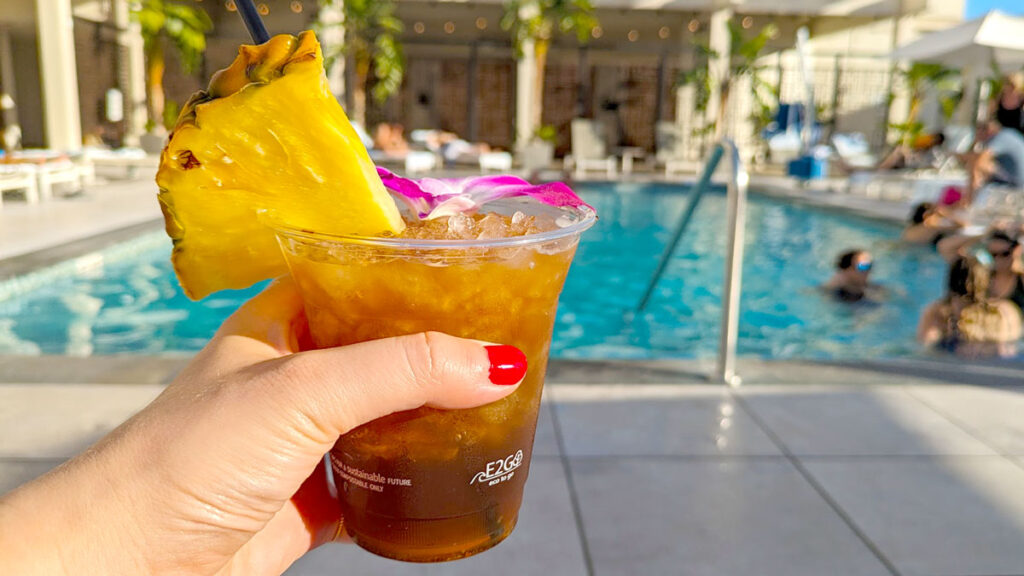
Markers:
point(59, 60)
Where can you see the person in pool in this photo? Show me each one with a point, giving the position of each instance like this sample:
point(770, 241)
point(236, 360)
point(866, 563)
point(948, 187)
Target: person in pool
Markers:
point(1007, 269)
point(851, 282)
point(929, 224)
point(1003, 248)
point(966, 321)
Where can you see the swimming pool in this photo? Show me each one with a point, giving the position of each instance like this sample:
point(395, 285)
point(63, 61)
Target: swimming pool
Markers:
point(126, 300)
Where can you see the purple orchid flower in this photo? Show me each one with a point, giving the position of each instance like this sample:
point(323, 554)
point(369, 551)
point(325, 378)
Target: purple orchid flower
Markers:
point(434, 198)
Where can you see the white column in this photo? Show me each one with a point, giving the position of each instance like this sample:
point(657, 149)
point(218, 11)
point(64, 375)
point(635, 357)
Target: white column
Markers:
point(133, 67)
point(63, 125)
point(526, 75)
point(719, 42)
point(332, 39)
point(686, 117)
point(8, 105)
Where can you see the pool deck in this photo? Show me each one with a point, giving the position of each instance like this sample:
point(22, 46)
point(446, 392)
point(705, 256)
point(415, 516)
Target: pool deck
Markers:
point(645, 468)
point(901, 468)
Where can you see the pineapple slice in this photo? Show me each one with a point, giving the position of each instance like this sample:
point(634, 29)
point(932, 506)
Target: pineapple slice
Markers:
point(266, 135)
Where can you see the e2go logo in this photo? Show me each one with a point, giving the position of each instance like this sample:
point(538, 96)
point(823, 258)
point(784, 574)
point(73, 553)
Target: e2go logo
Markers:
point(499, 470)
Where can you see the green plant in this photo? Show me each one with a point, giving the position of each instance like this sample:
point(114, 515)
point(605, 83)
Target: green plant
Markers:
point(164, 24)
point(766, 101)
point(539, 21)
point(171, 110)
point(744, 53)
point(546, 133)
point(372, 40)
point(916, 81)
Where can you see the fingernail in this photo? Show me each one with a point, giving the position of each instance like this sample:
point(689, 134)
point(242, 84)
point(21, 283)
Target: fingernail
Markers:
point(508, 364)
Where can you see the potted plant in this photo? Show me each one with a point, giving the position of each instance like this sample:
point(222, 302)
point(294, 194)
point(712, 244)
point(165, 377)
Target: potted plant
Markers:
point(539, 152)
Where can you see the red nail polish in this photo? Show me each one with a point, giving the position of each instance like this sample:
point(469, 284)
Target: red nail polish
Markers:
point(508, 364)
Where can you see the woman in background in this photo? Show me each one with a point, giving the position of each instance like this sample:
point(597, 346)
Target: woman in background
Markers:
point(929, 224)
point(966, 321)
point(1008, 106)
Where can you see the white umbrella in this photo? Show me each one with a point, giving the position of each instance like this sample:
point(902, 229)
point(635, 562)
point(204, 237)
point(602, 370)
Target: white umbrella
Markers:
point(995, 37)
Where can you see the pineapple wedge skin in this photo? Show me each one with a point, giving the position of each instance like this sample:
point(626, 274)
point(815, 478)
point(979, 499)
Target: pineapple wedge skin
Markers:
point(266, 135)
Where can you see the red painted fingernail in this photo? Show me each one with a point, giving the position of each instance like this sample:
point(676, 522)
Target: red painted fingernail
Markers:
point(508, 364)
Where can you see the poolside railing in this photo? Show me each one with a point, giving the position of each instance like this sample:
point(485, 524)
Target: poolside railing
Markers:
point(736, 214)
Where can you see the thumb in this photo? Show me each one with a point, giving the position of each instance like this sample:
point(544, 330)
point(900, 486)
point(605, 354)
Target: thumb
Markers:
point(329, 392)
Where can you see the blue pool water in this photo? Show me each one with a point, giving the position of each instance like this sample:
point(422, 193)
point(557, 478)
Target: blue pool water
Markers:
point(126, 300)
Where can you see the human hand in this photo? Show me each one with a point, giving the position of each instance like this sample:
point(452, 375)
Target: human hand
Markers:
point(223, 473)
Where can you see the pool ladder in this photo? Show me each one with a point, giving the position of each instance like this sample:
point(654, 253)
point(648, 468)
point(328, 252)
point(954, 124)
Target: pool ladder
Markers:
point(736, 213)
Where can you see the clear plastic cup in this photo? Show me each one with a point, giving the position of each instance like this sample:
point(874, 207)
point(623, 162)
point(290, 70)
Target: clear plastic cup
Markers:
point(428, 485)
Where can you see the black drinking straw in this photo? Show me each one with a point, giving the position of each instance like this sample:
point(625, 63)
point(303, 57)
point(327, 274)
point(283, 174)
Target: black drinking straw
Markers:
point(253, 21)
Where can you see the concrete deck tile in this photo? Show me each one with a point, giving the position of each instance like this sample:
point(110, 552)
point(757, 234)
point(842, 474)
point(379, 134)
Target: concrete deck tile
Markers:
point(545, 443)
point(857, 421)
point(60, 420)
point(717, 517)
point(656, 420)
point(14, 473)
point(994, 415)
point(934, 516)
point(26, 228)
point(123, 369)
point(545, 541)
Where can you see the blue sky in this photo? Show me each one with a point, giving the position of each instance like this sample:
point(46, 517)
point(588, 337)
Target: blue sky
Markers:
point(976, 8)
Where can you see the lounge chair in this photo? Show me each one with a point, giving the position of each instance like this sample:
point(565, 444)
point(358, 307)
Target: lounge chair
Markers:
point(495, 162)
point(418, 161)
point(49, 168)
point(921, 185)
point(589, 151)
point(853, 151)
point(126, 162)
point(50, 174)
point(535, 156)
point(670, 149)
point(784, 135)
point(400, 158)
point(19, 177)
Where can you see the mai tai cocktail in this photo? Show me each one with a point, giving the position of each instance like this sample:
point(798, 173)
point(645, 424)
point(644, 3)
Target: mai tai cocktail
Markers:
point(483, 258)
point(427, 484)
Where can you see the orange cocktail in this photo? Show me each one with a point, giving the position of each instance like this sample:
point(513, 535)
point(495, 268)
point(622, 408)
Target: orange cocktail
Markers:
point(429, 485)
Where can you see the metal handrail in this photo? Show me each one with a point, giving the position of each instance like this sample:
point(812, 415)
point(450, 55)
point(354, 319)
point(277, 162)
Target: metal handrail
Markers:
point(736, 211)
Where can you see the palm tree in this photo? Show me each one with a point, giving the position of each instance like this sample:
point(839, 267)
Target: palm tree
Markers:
point(539, 21)
point(371, 38)
point(163, 23)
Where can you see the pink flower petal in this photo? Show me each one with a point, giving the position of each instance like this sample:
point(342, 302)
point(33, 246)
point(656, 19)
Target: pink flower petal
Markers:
point(433, 198)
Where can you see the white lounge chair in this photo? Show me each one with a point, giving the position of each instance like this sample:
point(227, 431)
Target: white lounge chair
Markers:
point(15, 177)
point(59, 172)
point(126, 162)
point(923, 185)
point(495, 162)
point(589, 151)
point(50, 168)
point(854, 151)
point(417, 161)
point(46, 175)
point(670, 149)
